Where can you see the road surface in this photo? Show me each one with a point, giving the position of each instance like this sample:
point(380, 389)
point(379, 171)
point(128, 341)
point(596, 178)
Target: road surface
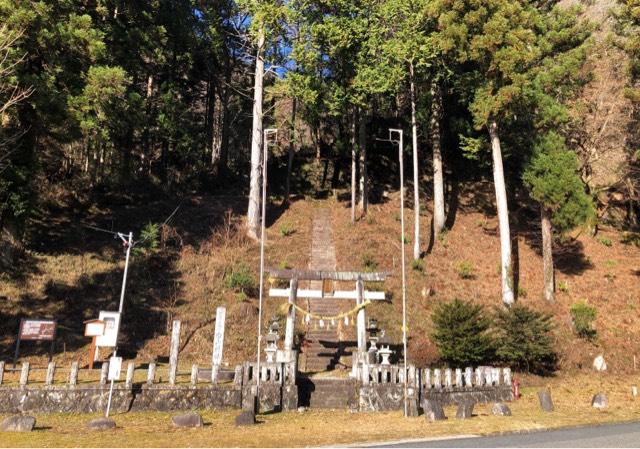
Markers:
point(609, 435)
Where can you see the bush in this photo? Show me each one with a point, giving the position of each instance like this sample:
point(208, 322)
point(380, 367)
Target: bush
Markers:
point(465, 270)
point(287, 229)
point(462, 333)
point(605, 241)
point(524, 340)
point(583, 315)
point(241, 280)
point(149, 239)
point(417, 265)
point(368, 262)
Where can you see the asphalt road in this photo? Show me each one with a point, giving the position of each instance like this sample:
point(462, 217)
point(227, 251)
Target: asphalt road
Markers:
point(610, 435)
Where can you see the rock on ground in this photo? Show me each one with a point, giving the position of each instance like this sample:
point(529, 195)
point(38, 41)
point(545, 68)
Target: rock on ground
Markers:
point(599, 363)
point(600, 401)
point(247, 418)
point(187, 420)
point(433, 410)
point(546, 404)
point(500, 409)
point(465, 410)
point(18, 423)
point(101, 424)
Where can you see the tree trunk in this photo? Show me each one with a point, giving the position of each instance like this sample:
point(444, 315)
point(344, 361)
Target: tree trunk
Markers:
point(364, 181)
point(224, 140)
point(10, 242)
point(503, 216)
point(292, 139)
point(438, 180)
point(416, 175)
point(354, 167)
point(547, 255)
point(253, 211)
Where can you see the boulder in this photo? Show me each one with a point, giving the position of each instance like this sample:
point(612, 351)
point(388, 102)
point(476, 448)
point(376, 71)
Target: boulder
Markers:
point(465, 410)
point(187, 420)
point(433, 410)
point(101, 424)
point(599, 363)
point(500, 409)
point(600, 401)
point(546, 404)
point(18, 423)
point(246, 418)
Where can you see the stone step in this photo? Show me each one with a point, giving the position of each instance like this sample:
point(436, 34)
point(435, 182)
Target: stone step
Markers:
point(328, 393)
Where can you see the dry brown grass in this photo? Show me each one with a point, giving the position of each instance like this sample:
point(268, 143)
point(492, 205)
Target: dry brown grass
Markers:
point(571, 396)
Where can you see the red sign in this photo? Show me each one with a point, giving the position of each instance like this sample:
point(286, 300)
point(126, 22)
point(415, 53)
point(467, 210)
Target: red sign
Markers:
point(37, 330)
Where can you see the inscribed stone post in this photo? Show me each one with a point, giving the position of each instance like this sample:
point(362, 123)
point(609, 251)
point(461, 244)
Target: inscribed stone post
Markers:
point(506, 373)
point(130, 371)
point(427, 378)
point(468, 376)
point(151, 373)
point(194, 374)
point(173, 354)
point(479, 377)
point(73, 374)
point(1, 372)
point(458, 377)
point(437, 379)
point(447, 378)
point(24, 374)
point(362, 331)
point(218, 343)
point(104, 372)
point(51, 369)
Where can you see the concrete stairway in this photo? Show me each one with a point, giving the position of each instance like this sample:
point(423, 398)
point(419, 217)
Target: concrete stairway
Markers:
point(327, 393)
point(321, 351)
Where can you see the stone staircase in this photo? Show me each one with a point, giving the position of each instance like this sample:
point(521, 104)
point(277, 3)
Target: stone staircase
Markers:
point(321, 351)
point(327, 393)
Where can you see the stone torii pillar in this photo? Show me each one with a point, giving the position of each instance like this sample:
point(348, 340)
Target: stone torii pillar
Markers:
point(291, 317)
point(361, 321)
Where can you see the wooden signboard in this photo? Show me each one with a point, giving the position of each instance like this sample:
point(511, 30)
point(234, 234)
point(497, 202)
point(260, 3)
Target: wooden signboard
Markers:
point(94, 329)
point(35, 330)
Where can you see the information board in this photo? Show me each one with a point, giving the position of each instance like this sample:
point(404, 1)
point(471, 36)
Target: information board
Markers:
point(37, 330)
point(111, 324)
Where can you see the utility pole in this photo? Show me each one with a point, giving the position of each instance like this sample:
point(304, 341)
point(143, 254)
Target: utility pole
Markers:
point(400, 143)
point(128, 243)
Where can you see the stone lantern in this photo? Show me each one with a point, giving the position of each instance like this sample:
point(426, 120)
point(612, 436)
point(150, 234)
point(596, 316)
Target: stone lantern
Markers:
point(372, 329)
point(272, 341)
point(385, 352)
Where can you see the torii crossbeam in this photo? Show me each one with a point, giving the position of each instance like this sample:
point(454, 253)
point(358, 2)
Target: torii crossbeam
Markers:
point(359, 294)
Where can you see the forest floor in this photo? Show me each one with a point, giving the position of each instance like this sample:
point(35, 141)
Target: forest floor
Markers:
point(71, 272)
point(571, 397)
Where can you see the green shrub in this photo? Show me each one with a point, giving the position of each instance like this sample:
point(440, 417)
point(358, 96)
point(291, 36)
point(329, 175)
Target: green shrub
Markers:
point(287, 229)
point(465, 270)
point(605, 241)
point(417, 265)
point(461, 333)
point(583, 316)
point(524, 340)
point(240, 279)
point(368, 262)
point(563, 286)
point(149, 239)
point(284, 265)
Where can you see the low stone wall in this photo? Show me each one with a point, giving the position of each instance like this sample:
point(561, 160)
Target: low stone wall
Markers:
point(89, 399)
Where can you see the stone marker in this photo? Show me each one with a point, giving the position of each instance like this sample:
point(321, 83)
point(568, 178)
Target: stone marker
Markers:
point(247, 418)
point(500, 409)
point(599, 363)
point(546, 404)
point(412, 407)
point(187, 420)
point(433, 410)
point(101, 424)
point(18, 423)
point(600, 401)
point(634, 391)
point(465, 410)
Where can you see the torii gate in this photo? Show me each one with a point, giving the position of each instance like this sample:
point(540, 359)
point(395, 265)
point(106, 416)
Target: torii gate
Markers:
point(359, 294)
